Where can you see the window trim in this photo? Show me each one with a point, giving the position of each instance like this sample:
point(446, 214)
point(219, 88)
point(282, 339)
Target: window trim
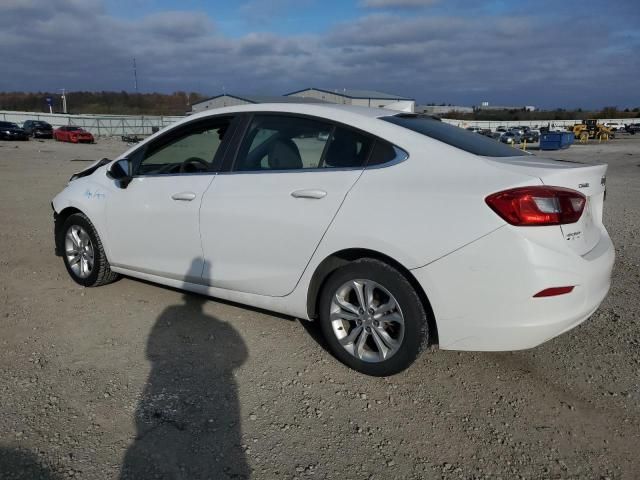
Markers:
point(401, 156)
point(179, 131)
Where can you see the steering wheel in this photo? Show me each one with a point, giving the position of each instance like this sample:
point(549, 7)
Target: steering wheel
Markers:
point(190, 160)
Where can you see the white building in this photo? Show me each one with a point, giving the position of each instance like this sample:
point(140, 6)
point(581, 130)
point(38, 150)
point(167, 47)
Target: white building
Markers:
point(365, 98)
point(229, 100)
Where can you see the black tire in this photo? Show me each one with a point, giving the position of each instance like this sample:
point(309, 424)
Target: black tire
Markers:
point(101, 273)
point(416, 325)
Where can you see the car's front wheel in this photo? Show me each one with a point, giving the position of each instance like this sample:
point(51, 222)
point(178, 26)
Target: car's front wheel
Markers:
point(83, 253)
point(372, 318)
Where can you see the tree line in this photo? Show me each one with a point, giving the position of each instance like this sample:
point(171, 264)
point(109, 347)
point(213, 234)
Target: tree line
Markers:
point(113, 103)
point(557, 114)
point(178, 103)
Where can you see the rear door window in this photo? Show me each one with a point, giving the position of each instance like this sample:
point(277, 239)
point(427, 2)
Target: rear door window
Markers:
point(280, 142)
point(283, 142)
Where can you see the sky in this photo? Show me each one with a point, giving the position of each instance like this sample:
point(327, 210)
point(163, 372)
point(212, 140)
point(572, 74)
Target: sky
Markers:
point(547, 53)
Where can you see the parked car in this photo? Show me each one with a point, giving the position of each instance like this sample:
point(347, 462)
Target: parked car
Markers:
point(520, 131)
point(72, 134)
point(530, 136)
point(510, 138)
point(11, 131)
point(392, 230)
point(632, 128)
point(38, 129)
point(614, 126)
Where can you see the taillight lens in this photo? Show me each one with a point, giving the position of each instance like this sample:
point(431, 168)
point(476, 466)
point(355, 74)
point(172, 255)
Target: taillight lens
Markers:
point(538, 206)
point(553, 291)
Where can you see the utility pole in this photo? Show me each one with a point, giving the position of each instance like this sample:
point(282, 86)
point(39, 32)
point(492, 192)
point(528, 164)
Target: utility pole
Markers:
point(135, 75)
point(64, 100)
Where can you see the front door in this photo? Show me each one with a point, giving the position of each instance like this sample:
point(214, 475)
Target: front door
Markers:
point(153, 222)
point(262, 221)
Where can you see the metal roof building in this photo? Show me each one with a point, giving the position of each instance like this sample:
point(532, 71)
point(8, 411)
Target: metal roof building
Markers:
point(228, 100)
point(363, 98)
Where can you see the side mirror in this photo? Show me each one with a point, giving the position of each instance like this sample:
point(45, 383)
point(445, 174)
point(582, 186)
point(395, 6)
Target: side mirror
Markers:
point(120, 171)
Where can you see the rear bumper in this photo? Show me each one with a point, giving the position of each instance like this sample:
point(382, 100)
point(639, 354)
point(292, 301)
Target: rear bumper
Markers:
point(482, 295)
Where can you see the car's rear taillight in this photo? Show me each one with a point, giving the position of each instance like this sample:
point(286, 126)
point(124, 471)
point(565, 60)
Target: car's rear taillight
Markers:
point(538, 206)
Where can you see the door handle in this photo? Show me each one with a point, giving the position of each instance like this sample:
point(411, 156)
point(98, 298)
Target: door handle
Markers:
point(317, 194)
point(184, 196)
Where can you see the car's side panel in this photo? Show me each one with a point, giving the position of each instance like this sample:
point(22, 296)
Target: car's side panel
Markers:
point(432, 210)
point(421, 209)
point(257, 237)
point(90, 196)
point(153, 226)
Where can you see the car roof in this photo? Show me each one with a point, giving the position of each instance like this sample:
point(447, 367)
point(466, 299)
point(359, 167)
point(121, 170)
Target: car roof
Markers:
point(316, 109)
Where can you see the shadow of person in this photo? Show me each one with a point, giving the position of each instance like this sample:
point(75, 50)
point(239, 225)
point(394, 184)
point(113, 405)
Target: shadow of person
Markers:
point(188, 419)
point(18, 464)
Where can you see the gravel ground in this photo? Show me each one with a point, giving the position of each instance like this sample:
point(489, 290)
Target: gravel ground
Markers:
point(132, 379)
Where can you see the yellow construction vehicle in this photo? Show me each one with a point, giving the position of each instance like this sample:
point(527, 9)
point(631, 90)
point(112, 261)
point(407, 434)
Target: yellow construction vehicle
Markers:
point(591, 129)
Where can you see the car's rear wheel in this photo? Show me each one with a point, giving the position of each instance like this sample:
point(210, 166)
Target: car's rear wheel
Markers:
point(372, 318)
point(83, 253)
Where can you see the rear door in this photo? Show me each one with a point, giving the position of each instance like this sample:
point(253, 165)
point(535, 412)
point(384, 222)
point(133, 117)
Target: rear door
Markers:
point(262, 220)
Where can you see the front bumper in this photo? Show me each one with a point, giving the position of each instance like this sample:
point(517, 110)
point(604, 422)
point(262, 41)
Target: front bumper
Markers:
point(482, 294)
point(16, 136)
point(57, 230)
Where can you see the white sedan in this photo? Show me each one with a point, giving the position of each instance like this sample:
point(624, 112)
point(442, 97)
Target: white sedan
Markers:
point(395, 231)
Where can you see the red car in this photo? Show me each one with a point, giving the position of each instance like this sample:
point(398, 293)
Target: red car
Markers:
point(72, 134)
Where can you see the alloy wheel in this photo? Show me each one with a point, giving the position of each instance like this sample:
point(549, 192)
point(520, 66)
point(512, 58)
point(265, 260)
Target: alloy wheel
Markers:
point(367, 320)
point(79, 251)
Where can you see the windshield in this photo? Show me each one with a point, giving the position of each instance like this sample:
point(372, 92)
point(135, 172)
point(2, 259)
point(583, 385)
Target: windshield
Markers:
point(73, 129)
point(456, 137)
point(41, 124)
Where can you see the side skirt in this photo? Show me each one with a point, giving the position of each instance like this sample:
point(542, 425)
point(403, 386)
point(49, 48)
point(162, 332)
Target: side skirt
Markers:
point(274, 304)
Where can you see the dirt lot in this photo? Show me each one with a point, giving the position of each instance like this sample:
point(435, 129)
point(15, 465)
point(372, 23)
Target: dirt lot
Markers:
point(138, 377)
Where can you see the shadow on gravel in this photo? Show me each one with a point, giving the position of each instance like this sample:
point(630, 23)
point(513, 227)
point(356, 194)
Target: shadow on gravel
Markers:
point(23, 465)
point(314, 330)
point(188, 420)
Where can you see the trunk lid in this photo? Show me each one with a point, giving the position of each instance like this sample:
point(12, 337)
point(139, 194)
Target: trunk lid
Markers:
point(590, 180)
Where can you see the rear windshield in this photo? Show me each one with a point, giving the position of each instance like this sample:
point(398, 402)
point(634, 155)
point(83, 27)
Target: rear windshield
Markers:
point(456, 137)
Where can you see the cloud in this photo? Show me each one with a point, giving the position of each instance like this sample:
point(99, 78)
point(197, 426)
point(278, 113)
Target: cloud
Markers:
point(452, 57)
